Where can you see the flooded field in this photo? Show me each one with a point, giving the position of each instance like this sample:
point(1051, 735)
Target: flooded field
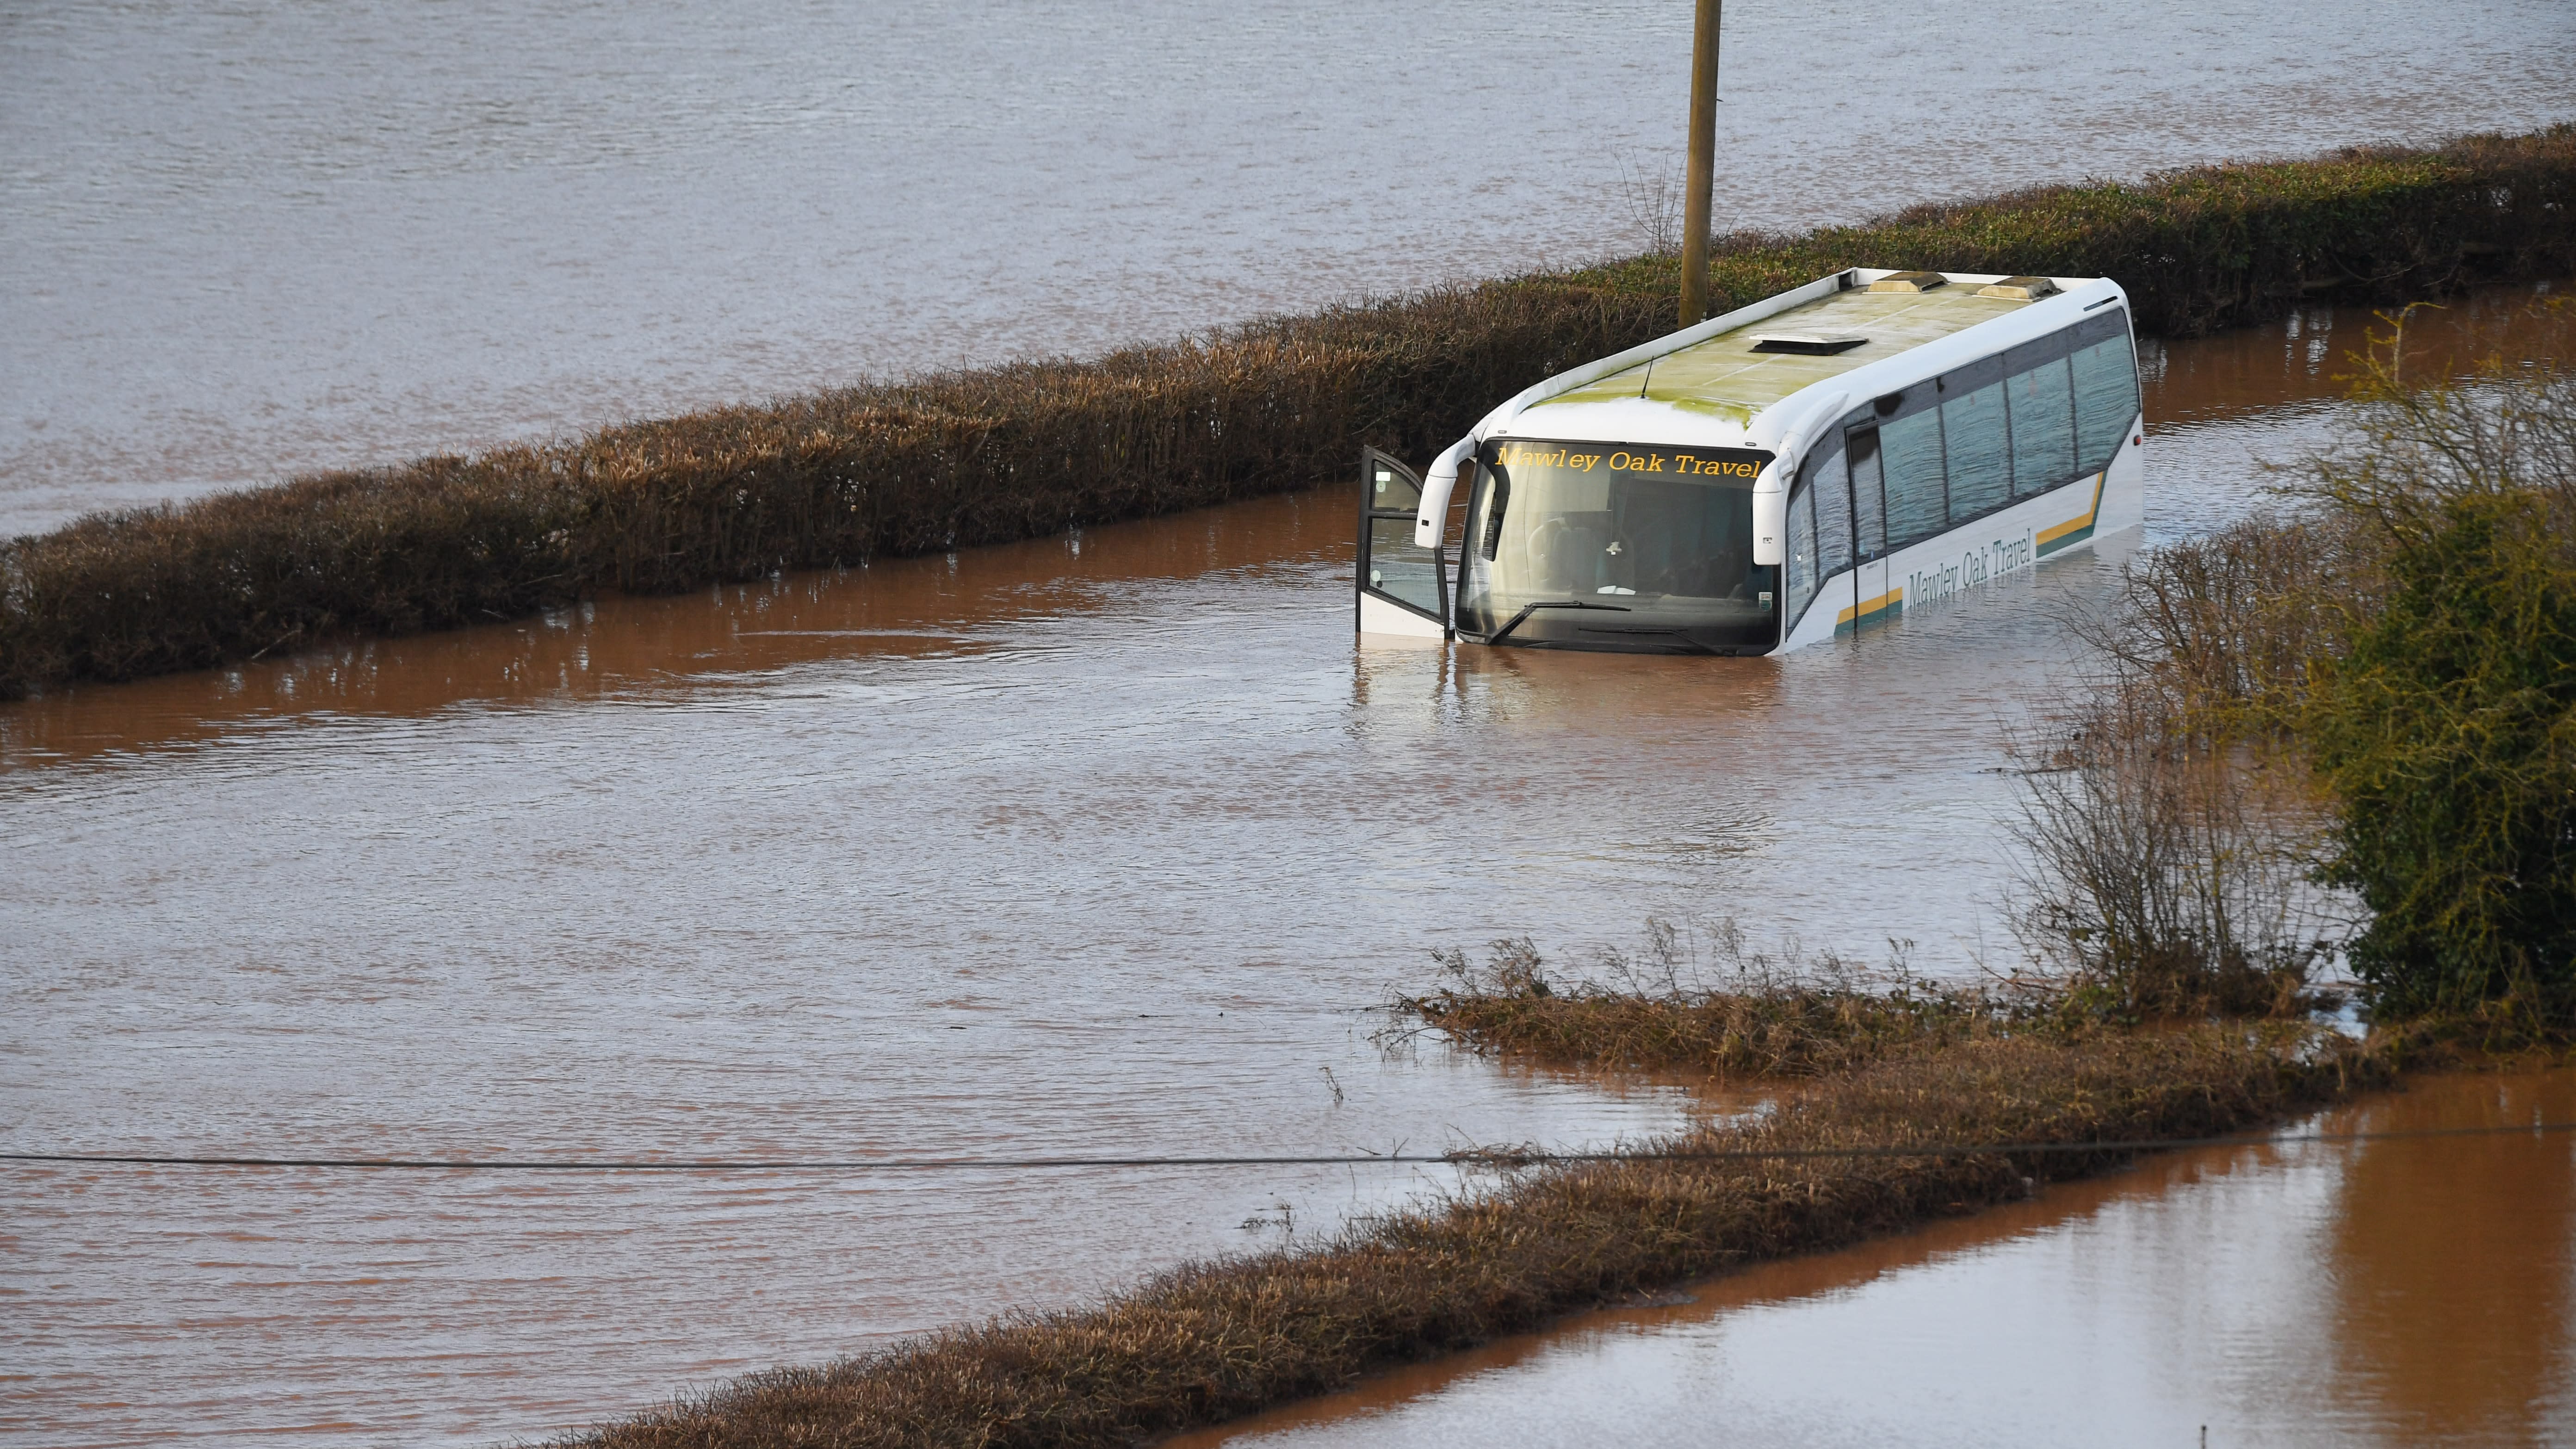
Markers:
point(2405, 1292)
point(1090, 845)
point(244, 240)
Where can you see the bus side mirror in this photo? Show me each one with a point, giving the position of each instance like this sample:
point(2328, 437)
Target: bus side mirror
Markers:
point(1770, 516)
point(1458, 465)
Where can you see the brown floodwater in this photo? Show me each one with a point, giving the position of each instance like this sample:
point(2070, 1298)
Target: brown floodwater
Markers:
point(2400, 1292)
point(1100, 844)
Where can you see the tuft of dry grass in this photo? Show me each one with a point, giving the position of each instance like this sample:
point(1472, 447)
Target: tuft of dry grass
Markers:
point(946, 460)
point(1771, 1015)
point(1219, 1340)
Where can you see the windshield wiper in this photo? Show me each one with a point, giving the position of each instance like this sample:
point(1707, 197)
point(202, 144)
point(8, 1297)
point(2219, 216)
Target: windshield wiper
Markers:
point(1522, 617)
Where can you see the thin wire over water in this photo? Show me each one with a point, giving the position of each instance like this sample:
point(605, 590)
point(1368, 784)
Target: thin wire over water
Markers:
point(1473, 1157)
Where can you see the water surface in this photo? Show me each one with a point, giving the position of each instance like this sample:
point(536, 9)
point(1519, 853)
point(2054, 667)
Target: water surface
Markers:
point(243, 240)
point(1088, 845)
point(2401, 1292)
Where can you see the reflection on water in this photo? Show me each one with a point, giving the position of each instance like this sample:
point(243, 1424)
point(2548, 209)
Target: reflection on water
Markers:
point(2302, 361)
point(1081, 845)
point(2453, 1271)
point(2384, 1293)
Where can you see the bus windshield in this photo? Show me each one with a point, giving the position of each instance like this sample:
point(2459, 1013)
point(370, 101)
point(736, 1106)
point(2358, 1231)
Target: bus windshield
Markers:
point(1598, 546)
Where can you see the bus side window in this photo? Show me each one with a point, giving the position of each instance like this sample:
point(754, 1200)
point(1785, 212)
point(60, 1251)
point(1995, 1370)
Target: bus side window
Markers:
point(1974, 438)
point(1909, 446)
point(2106, 391)
point(1833, 512)
point(1868, 494)
point(2042, 405)
point(1819, 528)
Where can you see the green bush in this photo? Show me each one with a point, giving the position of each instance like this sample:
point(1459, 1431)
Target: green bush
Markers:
point(2448, 733)
point(2446, 729)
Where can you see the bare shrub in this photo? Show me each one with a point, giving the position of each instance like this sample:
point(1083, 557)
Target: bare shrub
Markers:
point(2169, 827)
point(2166, 874)
point(2221, 634)
point(1652, 196)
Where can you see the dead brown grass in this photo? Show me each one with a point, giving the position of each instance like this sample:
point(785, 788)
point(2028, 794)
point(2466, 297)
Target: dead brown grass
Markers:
point(1698, 998)
point(1219, 1340)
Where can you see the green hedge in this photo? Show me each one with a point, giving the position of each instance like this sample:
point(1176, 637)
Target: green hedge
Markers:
point(987, 455)
point(2448, 734)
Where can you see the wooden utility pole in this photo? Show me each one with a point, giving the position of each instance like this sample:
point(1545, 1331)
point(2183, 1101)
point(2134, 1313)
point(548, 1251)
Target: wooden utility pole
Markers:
point(1702, 177)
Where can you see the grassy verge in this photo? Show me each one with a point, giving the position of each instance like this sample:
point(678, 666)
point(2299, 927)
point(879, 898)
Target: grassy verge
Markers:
point(951, 459)
point(1220, 1340)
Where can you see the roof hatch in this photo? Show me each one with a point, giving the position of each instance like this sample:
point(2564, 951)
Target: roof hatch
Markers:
point(1814, 344)
point(1909, 282)
point(2020, 289)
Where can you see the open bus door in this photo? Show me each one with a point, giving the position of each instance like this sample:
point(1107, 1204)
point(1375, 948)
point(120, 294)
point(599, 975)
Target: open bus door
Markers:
point(1403, 588)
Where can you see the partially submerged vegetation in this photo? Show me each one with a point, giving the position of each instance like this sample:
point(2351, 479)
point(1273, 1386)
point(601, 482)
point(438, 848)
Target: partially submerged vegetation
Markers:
point(2446, 728)
point(988, 455)
point(2375, 693)
point(1697, 998)
point(1220, 1340)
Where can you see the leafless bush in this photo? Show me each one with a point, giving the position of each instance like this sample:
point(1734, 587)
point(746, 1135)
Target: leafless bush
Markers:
point(2168, 824)
point(2165, 873)
point(1652, 195)
point(2220, 634)
point(2411, 451)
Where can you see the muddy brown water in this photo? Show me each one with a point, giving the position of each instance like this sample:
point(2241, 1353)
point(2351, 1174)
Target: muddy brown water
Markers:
point(1089, 845)
point(2400, 1292)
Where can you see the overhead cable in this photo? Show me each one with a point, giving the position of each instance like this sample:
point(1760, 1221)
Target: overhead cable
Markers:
point(1465, 1157)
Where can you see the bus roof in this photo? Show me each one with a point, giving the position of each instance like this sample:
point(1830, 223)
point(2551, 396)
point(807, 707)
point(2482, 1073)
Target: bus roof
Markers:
point(1734, 375)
